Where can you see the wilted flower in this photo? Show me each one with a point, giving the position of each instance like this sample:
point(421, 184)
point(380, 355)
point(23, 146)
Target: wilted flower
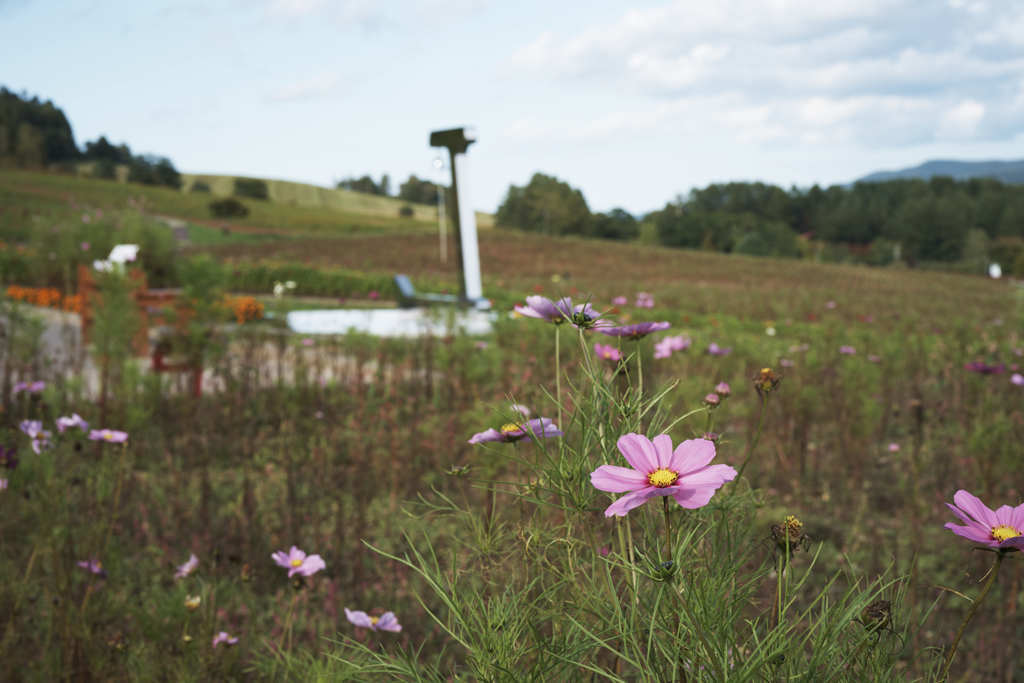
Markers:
point(711, 436)
point(716, 350)
point(1002, 529)
point(657, 470)
point(223, 637)
point(187, 568)
point(75, 420)
point(192, 602)
point(93, 566)
point(712, 400)
point(297, 562)
point(385, 622)
point(8, 457)
point(877, 616)
point(766, 380)
point(608, 352)
point(108, 435)
point(644, 300)
point(40, 437)
point(636, 331)
point(669, 345)
point(789, 534)
point(847, 350)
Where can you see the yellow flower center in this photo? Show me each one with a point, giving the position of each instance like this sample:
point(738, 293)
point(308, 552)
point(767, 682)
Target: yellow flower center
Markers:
point(374, 620)
point(1004, 532)
point(765, 371)
point(109, 436)
point(662, 478)
point(510, 428)
point(296, 563)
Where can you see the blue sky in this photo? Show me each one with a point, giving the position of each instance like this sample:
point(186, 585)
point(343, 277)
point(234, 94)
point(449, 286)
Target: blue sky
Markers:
point(633, 103)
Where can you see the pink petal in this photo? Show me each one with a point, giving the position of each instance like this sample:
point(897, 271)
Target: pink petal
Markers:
point(312, 565)
point(691, 455)
point(971, 533)
point(488, 435)
point(639, 452)
point(692, 499)
point(632, 500)
point(712, 475)
point(617, 479)
point(1004, 515)
point(663, 449)
point(1018, 517)
point(975, 508)
point(972, 523)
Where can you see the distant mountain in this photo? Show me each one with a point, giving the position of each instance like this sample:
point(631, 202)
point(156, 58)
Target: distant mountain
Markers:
point(1006, 171)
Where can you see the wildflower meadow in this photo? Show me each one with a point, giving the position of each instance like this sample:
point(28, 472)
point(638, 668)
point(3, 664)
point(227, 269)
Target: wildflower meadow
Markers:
point(648, 475)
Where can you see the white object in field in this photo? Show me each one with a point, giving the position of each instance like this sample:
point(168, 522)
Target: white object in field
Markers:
point(995, 271)
point(123, 253)
point(467, 232)
point(390, 322)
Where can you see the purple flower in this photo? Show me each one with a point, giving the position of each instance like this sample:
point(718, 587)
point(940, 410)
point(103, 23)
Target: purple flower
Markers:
point(84, 246)
point(983, 368)
point(223, 637)
point(385, 622)
point(894, 447)
point(93, 566)
point(644, 300)
point(109, 435)
point(8, 457)
point(668, 345)
point(29, 387)
point(542, 427)
point(716, 350)
point(723, 390)
point(187, 568)
point(712, 400)
point(297, 562)
point(1017, 379)
point(608, 352)
point(40, 437)
point(580, 315)
point(1002, 528)
point(620, 301)
point(847, 350)
point(308, 341)
point(74, 421)
point(657, 470)
point(637, 331)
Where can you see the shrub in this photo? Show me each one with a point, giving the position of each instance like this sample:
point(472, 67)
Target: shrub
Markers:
point(253, 188)
point(228, 208)
point(200, 186)
point(406, 212)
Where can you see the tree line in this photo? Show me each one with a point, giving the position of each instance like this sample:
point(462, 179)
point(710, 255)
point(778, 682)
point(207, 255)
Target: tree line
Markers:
point(914, 221)
point(37, 134)
point(414, 190)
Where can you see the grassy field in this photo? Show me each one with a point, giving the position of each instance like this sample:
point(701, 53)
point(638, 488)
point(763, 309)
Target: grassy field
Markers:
point(497, 559)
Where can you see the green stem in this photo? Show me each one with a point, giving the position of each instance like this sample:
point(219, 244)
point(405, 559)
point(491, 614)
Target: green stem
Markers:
point(757, 436)
point(639, 369)
point(288, 622)
point(668, 527)
point(558, 374)
point(970, 614)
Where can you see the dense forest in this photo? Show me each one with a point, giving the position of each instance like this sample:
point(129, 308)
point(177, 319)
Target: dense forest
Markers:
point(964, 224)
point(37, 134)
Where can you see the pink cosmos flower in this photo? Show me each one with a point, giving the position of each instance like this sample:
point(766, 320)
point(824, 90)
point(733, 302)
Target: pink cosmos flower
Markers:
point(669, 345)
point(636, 331)
point(75, 420)
point(297, 562)
point(786, 363)
point(187, 568)
point(847, 350)
point(3, 484)
point(34, 430)
point(830, 305)
point(374, 294)
point(93, 566)
point(620, 301)
point(308, 341)
point(29, 387)
point(224, 637)
point(543, 308)
point(1002, 529)
point(608, 352)
point(716, 350)
point(894, 447)
point(1017, 379)
point(385, 622)
point(542, 427)
point(644, 300)
point(657, 470)
point(109, 435)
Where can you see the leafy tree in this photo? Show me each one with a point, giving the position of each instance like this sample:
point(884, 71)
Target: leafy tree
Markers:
point(546, 205)
point(418, 191)
point(366, 185)
point(617, 224)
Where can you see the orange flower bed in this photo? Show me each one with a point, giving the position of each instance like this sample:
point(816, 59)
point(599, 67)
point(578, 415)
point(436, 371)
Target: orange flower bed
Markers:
point(245, 308)
point(49, 297)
